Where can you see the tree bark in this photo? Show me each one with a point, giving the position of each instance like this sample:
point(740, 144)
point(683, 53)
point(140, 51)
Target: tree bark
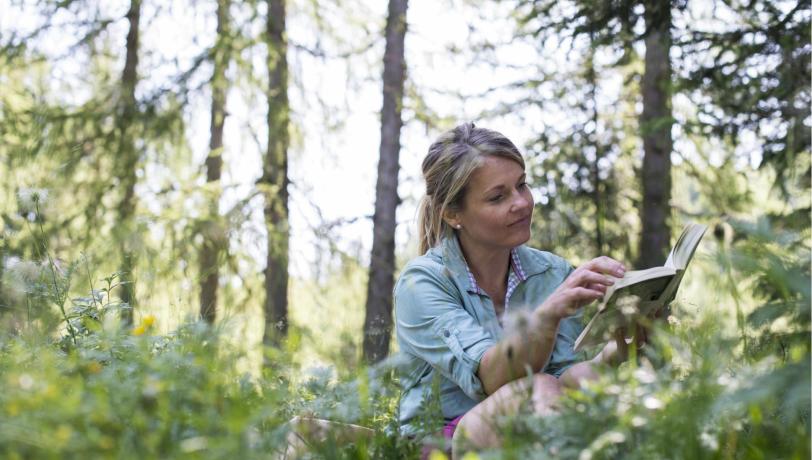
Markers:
point(274, 182)
point(655, 123)
point(597, 198)
point(127, 160)
point(213, 241)
point(378, 320)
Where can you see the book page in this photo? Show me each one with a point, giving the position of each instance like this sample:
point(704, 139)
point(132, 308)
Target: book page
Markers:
point(632, 278)
point(635, 294)
point(669, 262)
point(686, 244)
point(641, 293)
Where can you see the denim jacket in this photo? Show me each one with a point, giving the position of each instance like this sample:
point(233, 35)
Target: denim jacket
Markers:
point(445, 323)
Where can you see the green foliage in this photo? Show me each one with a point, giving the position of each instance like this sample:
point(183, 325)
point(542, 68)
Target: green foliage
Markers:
point(696, 393)
point(698, 390)
point(106, 389)
point(121, 395)
point(729, 379)
point(127, 393)
point(777, 261)
point(756, 77)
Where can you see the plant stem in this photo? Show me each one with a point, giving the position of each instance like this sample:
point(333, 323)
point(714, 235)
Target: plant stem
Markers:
point(734, 291)
point(90, 281)
point(60, 299)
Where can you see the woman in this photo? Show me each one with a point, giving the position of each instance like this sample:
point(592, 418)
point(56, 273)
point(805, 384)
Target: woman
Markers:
point(450, 302)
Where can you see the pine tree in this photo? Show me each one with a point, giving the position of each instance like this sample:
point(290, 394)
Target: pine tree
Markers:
point(127, 157)
point(274, 182)
point(214, 239)
point(378, 321)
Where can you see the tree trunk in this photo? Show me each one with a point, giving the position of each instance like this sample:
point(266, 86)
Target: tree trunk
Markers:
point(655, 123)
point(274, 182)
point(127, 160)
point(213, 241)
point(597, 198)
point(378, 321)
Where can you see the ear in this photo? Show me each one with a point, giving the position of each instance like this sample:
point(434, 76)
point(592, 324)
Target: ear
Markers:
point(452, 218)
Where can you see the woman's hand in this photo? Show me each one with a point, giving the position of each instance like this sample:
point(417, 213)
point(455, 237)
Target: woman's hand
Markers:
point(584, 285)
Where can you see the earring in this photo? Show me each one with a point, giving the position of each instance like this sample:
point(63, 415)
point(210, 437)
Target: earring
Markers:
point(459, 226)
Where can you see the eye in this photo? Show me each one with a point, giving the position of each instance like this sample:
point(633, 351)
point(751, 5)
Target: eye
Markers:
point(522, 184)
point(495, 198)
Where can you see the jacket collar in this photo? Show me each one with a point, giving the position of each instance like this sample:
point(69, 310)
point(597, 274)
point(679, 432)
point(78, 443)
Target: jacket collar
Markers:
point(523, 262)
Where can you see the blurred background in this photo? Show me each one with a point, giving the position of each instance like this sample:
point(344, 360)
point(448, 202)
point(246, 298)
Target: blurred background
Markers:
point(256, 164)
point(176, 142)
point(175, 172)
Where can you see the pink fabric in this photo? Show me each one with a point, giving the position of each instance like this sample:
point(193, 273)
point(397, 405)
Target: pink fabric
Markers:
point(448, 433)
point(450, 427)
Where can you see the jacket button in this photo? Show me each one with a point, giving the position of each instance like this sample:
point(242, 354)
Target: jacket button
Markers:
point(446, 333)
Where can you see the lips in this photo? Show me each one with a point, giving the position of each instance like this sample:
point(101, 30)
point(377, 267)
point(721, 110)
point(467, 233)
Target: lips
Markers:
point(524, 220)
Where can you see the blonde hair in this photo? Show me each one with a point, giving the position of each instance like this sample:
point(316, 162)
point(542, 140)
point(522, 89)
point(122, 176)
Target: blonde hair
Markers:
point(447, 168)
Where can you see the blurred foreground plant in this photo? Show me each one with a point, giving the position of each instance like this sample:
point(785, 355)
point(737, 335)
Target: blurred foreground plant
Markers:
point(711, 395)
point(698, 391)
point(128, 392)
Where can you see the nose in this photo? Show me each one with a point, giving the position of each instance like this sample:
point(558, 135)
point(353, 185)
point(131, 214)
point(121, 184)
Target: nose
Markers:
point(522, 202)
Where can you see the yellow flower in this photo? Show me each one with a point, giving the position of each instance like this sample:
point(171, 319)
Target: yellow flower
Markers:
point(437, 455)
point(148, 320)
point(146, 323)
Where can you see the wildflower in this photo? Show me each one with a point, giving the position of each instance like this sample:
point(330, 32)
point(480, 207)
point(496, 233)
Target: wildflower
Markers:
point(29, 199)
point(25, 271)
point(21, 277)
point(148, 320)
point(437, 455)
point(146, 324)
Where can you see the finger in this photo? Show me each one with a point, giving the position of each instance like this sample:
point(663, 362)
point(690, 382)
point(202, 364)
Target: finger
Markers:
point(597, 287)
point(583, 295)
point(586, 277)
point(606, 264)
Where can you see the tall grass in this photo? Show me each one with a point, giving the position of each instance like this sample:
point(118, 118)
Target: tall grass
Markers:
point(79, 383)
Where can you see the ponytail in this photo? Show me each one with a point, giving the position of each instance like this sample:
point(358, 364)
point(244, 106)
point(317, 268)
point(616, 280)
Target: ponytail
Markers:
point(431, 225)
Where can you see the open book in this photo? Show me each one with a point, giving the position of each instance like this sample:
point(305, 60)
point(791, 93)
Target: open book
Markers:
point(641, 293)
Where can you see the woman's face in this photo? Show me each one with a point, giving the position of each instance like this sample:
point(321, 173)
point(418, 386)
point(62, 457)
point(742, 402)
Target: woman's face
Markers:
point(496, 208)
